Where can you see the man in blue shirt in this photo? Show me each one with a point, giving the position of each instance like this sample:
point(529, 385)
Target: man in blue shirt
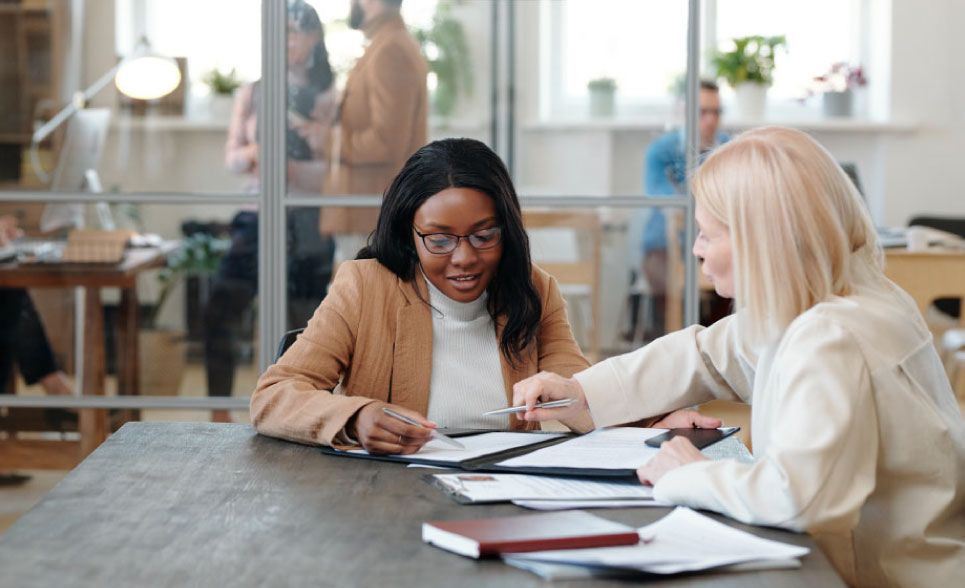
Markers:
point(665, 174)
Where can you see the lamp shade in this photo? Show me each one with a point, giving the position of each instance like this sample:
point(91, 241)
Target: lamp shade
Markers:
point(147, 77)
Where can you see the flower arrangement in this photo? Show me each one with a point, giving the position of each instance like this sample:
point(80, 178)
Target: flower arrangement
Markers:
point(602, 84)
point(840, 78)
point(223, 83)
point(751, 60)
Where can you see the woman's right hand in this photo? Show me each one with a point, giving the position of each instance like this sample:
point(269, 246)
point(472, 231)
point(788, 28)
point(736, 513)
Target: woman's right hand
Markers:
point(546, 386)
point(381, 434)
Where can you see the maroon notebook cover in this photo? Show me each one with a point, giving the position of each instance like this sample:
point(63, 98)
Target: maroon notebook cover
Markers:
point(535, 532)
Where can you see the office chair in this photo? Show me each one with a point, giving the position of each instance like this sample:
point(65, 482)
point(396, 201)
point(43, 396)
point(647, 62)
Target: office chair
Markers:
point(286, 341)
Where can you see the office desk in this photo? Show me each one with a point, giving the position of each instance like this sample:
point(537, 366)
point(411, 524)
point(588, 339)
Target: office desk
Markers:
point(928, 275)
point(92, 277)
point(207, 504)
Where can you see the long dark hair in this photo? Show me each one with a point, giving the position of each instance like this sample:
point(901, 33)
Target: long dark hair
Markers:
point(463, 163)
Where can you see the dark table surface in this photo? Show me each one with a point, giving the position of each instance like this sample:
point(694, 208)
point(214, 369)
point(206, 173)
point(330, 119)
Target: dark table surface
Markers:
point(204, 504)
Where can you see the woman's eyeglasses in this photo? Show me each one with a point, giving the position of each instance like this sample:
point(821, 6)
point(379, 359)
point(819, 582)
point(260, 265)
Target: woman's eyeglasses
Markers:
point(443, 243)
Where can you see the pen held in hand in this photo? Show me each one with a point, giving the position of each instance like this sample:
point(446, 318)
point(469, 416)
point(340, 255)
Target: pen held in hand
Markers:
point(522, 408)
point(436, 434)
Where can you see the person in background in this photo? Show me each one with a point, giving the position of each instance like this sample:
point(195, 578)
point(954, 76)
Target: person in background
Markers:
point(24, 343)
point(438, 317)
point(311, 101)
point(858, 438)
point(665, 174)
point(383, 120)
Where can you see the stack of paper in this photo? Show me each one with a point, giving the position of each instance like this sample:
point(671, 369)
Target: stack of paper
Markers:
point(546, 492)
point(682, 541)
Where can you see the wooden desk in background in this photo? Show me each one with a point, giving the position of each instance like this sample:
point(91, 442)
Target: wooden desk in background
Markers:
point(928, 275)
point(208, 504)
point(91, 277)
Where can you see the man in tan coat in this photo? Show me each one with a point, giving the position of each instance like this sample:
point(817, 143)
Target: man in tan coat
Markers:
point(384, 116)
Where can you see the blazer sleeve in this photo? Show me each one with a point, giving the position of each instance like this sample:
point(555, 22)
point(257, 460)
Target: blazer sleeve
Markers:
point(684, 368)
point(395, 86)
point(293, 399)
point(818, 464)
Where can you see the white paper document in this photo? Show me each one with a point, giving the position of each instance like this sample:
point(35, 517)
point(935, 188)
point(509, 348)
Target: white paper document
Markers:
point(615, 448)
point(504, 487)
point(682, 541)
point(544, 504)
point(476, 446)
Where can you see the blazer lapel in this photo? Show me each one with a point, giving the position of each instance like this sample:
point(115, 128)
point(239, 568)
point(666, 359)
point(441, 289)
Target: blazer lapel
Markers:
point(412, 353)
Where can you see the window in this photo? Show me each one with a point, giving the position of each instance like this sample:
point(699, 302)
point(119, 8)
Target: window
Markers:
point(642, 45)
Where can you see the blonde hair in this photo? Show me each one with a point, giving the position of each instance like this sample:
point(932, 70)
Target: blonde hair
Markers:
point(800, 232)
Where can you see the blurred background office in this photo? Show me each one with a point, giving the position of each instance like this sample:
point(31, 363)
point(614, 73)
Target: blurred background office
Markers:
point(571, 93)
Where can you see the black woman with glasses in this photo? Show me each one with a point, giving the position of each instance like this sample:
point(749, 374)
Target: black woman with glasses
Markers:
point(436, 319)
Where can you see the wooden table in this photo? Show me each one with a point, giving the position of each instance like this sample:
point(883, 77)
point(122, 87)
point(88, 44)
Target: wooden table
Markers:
point(92, 277)
point(927, 275)
point(208, 504)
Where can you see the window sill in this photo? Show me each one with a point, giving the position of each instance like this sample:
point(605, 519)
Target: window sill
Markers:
point(660, 124)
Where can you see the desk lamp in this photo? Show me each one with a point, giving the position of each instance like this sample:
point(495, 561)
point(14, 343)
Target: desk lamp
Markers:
point(143, 74)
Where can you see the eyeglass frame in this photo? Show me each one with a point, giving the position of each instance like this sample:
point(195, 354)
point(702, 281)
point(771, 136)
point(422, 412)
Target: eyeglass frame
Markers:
point(423, 236)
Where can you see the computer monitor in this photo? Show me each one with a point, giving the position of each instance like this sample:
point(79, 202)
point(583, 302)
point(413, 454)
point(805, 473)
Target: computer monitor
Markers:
point(77, 167)
point(852, 171)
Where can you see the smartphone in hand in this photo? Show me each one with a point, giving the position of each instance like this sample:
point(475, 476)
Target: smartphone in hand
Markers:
point(699, 437)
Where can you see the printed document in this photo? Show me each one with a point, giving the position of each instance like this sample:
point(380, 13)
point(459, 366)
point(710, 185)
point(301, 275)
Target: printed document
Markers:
point(476, 446)
point(504, 487)
point(682, 541)
point(614, 448)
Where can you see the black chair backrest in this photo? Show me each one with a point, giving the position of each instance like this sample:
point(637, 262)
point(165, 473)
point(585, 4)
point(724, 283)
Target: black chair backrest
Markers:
point(949, 224)
point(286, 341)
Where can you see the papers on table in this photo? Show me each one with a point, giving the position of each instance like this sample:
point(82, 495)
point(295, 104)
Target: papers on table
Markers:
point(615, 448)
point(548, 504)
point(476, 446)
point(682, 541)
point(481, 487)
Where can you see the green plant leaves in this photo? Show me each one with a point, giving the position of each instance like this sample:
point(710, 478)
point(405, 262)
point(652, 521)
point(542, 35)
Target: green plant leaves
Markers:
point(751, 59)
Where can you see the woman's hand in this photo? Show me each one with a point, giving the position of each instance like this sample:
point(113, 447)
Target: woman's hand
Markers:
point(8, 229)
point(685, 419)
point(546, 386)
point(672, 454)
point(381, 434)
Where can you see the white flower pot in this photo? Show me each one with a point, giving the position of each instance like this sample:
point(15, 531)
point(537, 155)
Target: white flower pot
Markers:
point(751, 100)
point(221, 106)
point(837, 103)
point(602, 102)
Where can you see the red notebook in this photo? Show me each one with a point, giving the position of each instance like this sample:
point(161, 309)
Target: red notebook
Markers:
point(534, 532)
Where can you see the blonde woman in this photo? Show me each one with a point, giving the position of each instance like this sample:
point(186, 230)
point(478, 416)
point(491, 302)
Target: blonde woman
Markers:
point(858, 439)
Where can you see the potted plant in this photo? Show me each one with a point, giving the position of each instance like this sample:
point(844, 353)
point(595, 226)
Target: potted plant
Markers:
point(748, 68)
point(223, 86)
point(444, 46)
point(837, 86)
point(602, 96)
point(162, 351)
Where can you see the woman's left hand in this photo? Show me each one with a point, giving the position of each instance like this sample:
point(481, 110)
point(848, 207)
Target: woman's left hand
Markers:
point(672, 454)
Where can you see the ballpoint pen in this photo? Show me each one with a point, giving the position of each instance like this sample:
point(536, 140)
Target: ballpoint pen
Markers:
point(436, 434)
point(551, 404)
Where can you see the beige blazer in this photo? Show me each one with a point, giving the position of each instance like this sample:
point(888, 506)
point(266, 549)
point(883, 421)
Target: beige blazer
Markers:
point(371, 339)
point(384, 120)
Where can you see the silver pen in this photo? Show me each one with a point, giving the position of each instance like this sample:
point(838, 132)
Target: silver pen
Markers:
point(436, 434)
point(551, 404)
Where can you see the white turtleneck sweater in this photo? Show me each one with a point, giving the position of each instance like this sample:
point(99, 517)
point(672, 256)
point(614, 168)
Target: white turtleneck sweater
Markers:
point(467, 378)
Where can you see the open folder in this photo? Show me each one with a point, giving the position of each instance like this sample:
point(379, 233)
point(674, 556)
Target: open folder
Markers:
point(615, 451)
